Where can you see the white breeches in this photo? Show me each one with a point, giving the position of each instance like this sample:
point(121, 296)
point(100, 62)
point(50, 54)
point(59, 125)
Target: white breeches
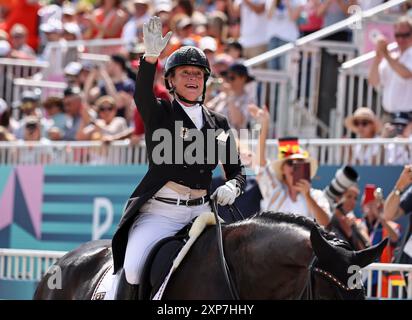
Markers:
point(157, 220)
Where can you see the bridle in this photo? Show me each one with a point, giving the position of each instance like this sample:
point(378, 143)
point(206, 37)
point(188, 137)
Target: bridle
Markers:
point(308, 291)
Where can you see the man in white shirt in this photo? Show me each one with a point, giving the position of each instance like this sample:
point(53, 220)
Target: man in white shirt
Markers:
point(133, 29)
point(394, 73)
point(253, 35)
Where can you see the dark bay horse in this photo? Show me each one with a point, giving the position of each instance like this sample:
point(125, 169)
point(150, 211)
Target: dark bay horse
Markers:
point(270, 255)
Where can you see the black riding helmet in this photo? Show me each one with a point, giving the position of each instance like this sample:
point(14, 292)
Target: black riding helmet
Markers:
point(187, 56)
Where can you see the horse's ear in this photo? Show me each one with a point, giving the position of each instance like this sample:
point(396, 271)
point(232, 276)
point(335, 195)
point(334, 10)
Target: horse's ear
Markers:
point(322, 248)
point(366, 256)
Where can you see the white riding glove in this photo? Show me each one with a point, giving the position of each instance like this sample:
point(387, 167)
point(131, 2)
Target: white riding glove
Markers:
point(153, 41)
point(227, 193)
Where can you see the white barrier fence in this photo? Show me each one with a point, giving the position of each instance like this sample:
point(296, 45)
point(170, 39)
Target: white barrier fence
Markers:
point(326, 151)
point(11, 69)
point(20, 264)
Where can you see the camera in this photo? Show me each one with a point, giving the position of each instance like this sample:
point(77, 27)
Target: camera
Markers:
point(344, 178)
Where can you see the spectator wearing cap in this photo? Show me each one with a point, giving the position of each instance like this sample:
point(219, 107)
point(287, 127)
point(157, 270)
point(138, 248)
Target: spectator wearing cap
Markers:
point(399, 127)
point(68, 13)
point(234, 49)
point(29, 106)
point(107, 124)
point(209, 46)
point(79, 115)
point(72, 72)
point(133, 29)
point(18, 40)
point(53, 30)
point(393, 73)
point(71, 32)
point(24, 12)
point(253, 35)
point(366, 125)
point(282, 26)
point(115, 83)
point(234, 101)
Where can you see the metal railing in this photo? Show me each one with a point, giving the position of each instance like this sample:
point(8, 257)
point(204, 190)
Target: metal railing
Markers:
point(11, 69)
point(393, 151)
point(354, 90)
point(31, 265)
point(304, 69)
point(399, 288)
point(22, 264)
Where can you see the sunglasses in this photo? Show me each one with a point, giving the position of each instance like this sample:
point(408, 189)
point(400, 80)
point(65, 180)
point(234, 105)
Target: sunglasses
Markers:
point(108, 108)
point(403, 35)
point(291, 162)
point(362, 123)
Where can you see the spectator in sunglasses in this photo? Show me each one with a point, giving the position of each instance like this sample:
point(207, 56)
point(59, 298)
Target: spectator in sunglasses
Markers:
point(366, 125)
point(393, 72)
point(233, 101)
point(107, 123)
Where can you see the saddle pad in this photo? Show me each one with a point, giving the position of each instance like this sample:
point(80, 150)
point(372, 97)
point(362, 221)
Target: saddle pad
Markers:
point(203, 220)
point(103, 290)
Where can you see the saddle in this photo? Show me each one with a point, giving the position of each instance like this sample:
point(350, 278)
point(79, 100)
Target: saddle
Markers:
point(159, 262)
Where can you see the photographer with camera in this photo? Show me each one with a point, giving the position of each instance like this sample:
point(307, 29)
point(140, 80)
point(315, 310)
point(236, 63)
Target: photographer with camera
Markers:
point(344, 222)
point(285, 183)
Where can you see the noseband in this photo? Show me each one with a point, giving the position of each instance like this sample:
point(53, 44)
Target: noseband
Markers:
point(340, 288)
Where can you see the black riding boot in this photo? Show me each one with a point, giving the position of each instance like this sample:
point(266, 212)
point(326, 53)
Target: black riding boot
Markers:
point(125, 290)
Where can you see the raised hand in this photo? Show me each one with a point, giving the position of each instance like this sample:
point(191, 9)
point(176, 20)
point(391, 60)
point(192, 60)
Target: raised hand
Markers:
point(152, 37)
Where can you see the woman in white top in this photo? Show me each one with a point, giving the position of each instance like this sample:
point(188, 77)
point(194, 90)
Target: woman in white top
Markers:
point(365, 125)
point(106, 125)
point(275, 179)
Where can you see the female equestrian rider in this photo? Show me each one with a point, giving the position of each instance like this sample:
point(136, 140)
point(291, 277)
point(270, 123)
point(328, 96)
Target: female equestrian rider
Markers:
point(175, 189)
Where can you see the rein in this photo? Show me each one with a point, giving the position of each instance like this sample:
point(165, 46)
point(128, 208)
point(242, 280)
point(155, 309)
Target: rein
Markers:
point(308, 290)
point(225, 268)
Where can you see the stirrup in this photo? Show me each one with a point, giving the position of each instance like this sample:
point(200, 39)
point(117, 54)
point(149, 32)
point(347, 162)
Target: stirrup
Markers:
point(125, 290)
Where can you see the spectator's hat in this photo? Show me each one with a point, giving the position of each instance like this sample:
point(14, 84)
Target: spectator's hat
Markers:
point(29, 95)
point(69, 10)
point(208, 43)
point(241, 70)
point(362, 114)
point(401, 118)
point(289, 149)
point(183, 23)
point(5, 48)
point(73, 28)
point(163, 6)
point(52, 26)
point(73, 68)
point(144, 2)
point(72, 91)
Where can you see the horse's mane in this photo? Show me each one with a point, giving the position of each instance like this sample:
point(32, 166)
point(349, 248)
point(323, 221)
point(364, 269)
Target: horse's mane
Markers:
point(270, 217)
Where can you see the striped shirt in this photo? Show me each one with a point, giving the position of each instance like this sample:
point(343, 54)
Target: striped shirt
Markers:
point(276, 197)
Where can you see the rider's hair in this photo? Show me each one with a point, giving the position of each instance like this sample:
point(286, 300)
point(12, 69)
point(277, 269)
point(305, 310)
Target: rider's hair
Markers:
point(404, 20)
